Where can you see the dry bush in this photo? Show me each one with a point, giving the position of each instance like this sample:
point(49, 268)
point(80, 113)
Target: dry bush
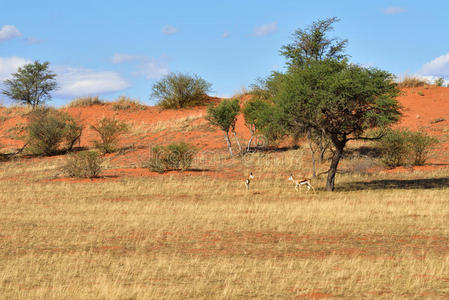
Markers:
point(110, 130)
point(85, 101)
point(175, 156)
point(410, 81)
point(85, 164)
point(126, 103)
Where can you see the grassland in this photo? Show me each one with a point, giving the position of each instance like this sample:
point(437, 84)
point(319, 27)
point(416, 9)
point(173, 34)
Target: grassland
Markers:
point(202, 235)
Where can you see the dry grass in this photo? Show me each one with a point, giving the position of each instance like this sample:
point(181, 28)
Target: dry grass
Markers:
point(410, 81)
point(180, 236)
point(126, 103)
point(85, 102)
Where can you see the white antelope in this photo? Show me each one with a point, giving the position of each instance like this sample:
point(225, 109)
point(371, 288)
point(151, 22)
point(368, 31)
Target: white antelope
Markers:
point(248, 180)
point(302, 181)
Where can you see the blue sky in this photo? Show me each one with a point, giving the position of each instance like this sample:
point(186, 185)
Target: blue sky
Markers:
point(112, 48)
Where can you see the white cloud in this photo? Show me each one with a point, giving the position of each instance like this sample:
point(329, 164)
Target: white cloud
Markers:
point(226, 35)
point(394, 10)
point(151, 68)
point(169, 30)
point(119, 58)
point(266, 29)
point(9, 65)
point(77, 82)
point(8, 32)
point(437, 67)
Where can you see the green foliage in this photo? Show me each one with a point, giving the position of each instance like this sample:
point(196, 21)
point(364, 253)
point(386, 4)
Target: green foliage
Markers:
point(402, 147)
point(110, 131)
point(85, 164)
point(420, 144)
point(439, 81)
point(48, 130)
point(85, 102)
point(31, 84)
point(265, 118)
point(176, 156)
point(224, 115)
point(125, 103)
point(313, 44)
point(178, 90)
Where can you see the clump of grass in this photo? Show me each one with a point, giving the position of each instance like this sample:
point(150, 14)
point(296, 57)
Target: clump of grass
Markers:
point(410, 81)
point(420, 93)
point(85, 102)
point(126, 103)
point(85, 164)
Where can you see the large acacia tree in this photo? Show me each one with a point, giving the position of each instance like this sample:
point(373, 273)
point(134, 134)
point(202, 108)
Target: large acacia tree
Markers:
point(339, 99)
point(31, 84)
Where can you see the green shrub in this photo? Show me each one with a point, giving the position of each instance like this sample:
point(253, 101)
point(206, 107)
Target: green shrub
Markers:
point(85, 101)
point(125, 103)
point(420, 144)
point(439, 81)
point(176, 156)
point(51, 131)
point(180, 91)
point(110, 131)
point(401, 147)
point(86, 164)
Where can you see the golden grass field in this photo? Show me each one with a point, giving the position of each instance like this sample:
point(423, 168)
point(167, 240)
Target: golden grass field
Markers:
point(379, 236)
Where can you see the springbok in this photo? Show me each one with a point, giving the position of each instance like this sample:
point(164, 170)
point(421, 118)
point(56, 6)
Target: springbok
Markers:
point(248, 180)
point(302, 181)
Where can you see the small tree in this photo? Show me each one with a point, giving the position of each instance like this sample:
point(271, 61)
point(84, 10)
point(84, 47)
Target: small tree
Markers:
point(48, 129)
point(224, 116)
point(31, 85)
point(439, 81)
point(110, 131)
point(180, 91)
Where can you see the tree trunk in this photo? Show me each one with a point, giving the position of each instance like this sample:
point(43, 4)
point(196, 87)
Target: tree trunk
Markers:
point(237, 141)
point(228, 141)
point(250, 139)
point(333, 168)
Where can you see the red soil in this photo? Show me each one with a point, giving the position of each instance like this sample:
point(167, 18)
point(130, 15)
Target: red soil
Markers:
point(422, 108)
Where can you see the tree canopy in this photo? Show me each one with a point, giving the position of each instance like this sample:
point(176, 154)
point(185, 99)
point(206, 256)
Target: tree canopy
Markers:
point(31, 84)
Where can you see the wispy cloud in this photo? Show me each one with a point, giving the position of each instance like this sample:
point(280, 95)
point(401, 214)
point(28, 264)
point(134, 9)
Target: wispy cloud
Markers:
point(8, 32)
point(266, 29)
point(394, 10)
point(169, 30)
point(77, 82)
point(437, 67)
point(32, 40)
point(9, 65)
point(151, 68)
point(226, 35)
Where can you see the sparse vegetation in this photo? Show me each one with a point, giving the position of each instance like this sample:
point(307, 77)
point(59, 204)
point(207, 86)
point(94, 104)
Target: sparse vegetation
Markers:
point(401, 147)
point(439, 81)
point(410, 82)
point(177, 90)
point(175, 156)
point(85, 164)
point(86, 101)
point(126, 103)
point(48, 129)
point(110, 130)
